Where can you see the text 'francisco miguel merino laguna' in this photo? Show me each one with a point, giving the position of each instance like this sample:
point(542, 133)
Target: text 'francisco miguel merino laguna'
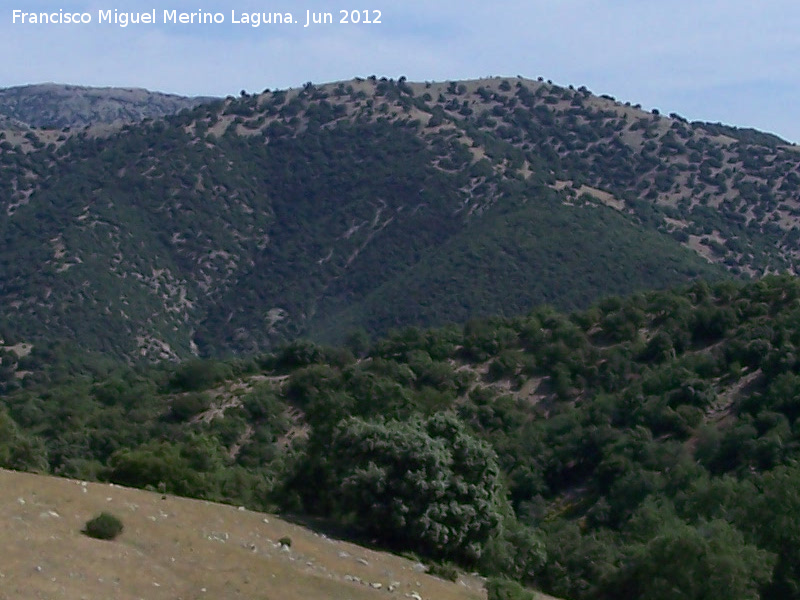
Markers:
point(200, 17)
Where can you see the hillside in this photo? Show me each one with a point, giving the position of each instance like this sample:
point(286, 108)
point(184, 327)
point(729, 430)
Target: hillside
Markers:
point(237, 225)
point(180, 548)
point(56, 106)
point(644, 448)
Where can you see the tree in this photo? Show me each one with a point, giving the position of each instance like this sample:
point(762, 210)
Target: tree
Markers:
point(423, 484)
point(358, 342)
point(189, 468)
point(774, 521)
point(707, 561)
point(17, 450)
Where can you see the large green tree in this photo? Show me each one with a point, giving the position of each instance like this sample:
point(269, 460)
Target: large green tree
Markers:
point(774, 522)
point(425, 484)
point(678, 561)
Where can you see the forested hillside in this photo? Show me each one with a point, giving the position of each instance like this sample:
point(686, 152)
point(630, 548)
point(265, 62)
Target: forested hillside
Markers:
point(373, 204)
point(645, 447)
point(500, 325)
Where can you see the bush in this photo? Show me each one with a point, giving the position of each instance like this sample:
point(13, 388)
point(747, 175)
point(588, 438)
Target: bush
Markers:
point(285, 541)
point(505, 589)
point(197, 375)
point(187, 406)
point(104, 526)
point(421, 484)
point(443, 571)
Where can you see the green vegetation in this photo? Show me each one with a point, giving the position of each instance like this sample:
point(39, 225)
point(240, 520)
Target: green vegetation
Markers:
point(421, 484)
point(505, 589)
point(444, 571)
point(17, 450)
point(744, 134)
point(104, 526)
point(368, 205)
point(645, 447)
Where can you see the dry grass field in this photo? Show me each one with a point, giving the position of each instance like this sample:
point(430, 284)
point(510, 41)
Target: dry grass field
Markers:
point(178, 548)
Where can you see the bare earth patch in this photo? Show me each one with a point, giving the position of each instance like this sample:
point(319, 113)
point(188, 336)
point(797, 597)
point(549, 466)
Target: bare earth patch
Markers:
point(176, 548)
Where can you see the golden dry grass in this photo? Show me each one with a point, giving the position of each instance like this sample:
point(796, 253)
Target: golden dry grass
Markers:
point(185, 549)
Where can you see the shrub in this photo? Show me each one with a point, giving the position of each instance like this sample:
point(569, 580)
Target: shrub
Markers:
point(197, 375)
point(424, 484)
point(104, 526)
point(443, 571)
point(285, 541)
point(187, 406)
point(505, 589)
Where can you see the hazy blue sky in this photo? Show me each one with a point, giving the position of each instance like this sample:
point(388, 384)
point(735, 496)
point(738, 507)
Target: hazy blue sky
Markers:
point(735, 61)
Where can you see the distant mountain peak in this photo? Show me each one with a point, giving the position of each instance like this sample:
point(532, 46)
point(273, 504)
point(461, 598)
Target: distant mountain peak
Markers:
point(55, 105)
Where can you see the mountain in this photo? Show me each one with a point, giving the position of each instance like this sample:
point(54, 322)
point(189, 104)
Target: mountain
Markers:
point(58, 106)
point(374, 204)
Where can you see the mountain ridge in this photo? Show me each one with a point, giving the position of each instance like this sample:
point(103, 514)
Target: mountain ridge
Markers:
point(274, 215)
point(59, 106)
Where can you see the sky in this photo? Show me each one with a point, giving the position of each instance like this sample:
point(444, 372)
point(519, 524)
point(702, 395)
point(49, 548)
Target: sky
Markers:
point(732, 61)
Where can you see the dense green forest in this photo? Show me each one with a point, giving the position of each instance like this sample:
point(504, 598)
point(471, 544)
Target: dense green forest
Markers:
point(645, 447)
point(373, 204)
